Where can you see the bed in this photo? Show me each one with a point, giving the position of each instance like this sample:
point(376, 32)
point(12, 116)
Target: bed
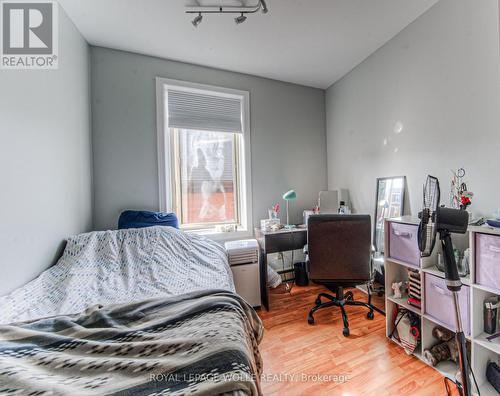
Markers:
point(131, 312)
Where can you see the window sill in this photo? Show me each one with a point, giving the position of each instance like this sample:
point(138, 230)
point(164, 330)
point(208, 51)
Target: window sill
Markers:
point(222, 236)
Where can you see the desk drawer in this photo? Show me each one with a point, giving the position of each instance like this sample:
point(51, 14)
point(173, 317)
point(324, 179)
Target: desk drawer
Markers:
point(278, 242)
point(281, 242)
point(299, 239)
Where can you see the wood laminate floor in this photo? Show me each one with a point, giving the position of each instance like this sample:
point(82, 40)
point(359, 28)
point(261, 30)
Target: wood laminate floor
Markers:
point(300, 359)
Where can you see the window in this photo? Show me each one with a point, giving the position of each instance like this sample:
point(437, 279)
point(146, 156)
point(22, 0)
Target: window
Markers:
point(204, 157)
point(205, 177)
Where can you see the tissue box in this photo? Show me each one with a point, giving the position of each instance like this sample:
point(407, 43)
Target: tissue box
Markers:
point(265, 225)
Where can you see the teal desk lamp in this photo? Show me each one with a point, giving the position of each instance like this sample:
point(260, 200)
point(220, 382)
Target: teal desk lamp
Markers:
point(288, 196)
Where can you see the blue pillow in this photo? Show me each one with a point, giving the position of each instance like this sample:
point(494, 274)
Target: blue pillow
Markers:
point(144, 218)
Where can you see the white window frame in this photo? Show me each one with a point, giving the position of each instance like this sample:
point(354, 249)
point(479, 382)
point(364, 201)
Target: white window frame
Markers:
point(165, 182)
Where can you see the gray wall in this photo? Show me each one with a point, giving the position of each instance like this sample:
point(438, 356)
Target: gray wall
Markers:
point(45, 159)
point(440, 79)
point(287, 134)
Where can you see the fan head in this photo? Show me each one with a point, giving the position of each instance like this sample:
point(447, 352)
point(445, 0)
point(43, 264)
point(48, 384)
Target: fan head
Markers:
point(427, 227)
point(431, 193)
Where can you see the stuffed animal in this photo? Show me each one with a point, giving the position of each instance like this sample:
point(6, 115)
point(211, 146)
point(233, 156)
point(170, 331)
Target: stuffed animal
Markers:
point(398, 289)
point(446, 349)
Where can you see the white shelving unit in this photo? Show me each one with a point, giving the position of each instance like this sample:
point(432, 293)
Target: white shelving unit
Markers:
point(482, 350)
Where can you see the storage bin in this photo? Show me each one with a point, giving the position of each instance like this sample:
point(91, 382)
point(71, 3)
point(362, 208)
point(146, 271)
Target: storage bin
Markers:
point(439, 302)
point(403, 243)
point(488, 260)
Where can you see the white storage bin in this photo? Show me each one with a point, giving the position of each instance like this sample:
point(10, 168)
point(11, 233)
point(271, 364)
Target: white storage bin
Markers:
point(488, 260)
point(439, 302)
point(403, 243)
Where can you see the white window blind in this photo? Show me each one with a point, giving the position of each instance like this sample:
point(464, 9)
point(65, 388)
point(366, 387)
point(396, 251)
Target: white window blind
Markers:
point(203, 111)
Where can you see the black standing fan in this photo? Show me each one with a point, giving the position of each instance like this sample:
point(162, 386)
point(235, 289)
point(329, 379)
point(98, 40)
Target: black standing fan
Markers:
point(445, 221)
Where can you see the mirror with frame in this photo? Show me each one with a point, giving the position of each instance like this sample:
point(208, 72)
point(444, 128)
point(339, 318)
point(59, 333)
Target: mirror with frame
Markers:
point(389, 203)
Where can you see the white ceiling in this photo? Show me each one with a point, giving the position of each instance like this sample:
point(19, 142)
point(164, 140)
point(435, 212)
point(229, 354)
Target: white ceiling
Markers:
point(309, 42)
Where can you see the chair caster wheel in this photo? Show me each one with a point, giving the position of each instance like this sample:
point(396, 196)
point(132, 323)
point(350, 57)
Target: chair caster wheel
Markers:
point(318, 301)
point(345, 332)
point(310, 320)
point(370, 315)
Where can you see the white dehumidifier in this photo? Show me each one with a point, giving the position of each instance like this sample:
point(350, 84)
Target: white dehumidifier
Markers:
point(243, 258)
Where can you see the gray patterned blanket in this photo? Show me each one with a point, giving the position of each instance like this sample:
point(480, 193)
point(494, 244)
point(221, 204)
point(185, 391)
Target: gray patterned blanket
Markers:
point(118, 267)
point(200, 343)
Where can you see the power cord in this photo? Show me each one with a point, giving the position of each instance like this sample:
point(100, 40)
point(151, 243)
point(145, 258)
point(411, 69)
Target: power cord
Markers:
point(458, 385)
point(474, 378)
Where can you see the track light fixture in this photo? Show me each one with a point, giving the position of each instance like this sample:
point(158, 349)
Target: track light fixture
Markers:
point(196, 21)
point(242, 10)
point(242, 18)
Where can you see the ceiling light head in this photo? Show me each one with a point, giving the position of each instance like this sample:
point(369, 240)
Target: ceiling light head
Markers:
point(196, 21)
point(263, 6)
point(242, 18)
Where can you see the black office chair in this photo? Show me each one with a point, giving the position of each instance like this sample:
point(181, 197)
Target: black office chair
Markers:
point(339, 254)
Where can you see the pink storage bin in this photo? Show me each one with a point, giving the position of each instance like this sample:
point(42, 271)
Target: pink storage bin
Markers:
point(403, 243)
point(488, 260)
point(439, 302)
